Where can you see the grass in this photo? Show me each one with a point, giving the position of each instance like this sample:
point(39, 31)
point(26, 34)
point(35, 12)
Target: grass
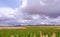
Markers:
point(31, 30)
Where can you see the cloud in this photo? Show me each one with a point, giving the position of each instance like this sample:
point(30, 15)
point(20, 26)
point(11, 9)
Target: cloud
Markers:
point(14, 17)
point(7, 12)
point(45, 7)
point(7, 16)
point(31, 12)
point(42, 3)
point(36, 19)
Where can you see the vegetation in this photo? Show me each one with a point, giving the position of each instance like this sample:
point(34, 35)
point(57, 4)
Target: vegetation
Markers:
point(31, 31)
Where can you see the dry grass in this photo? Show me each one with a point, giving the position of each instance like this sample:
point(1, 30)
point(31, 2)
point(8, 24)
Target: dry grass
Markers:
point(12, 27)
point(24, 27)
point(12, 36)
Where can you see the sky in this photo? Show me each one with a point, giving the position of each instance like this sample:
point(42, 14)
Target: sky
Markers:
point(29, 12)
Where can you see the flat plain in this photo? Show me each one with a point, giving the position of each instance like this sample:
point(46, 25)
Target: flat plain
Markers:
point(30, 31)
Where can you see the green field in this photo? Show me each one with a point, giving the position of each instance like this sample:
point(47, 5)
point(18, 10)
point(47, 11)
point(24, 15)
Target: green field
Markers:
point(31, 31)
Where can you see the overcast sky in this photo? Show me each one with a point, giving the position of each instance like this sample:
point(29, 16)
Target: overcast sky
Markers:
point(29, 12)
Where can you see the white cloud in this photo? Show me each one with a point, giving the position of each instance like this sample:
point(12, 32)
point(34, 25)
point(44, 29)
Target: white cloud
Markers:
point(24, 3)
point(42, 3)
point(7, 12)
point(7, 16)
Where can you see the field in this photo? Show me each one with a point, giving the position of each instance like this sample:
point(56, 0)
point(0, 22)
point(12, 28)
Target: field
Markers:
point(30, 31)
